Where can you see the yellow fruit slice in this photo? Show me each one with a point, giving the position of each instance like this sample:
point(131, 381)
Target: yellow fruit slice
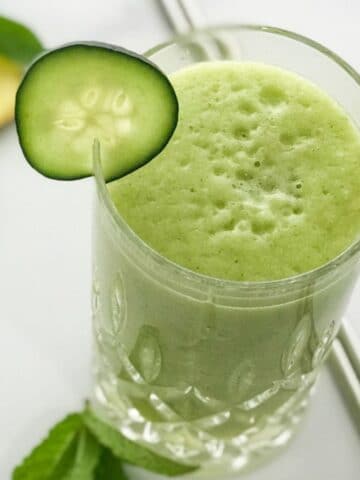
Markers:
point(10, 76)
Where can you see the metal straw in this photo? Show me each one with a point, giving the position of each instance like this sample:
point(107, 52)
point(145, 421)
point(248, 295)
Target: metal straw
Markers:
point(182, 15)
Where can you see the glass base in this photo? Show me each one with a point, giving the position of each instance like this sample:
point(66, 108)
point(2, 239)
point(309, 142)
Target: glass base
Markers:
point(229, 441)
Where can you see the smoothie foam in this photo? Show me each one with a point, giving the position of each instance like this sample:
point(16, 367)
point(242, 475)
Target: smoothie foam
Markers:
point(260, 181)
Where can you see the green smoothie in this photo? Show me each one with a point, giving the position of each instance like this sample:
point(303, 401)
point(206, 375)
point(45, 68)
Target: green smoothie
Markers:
point(261, 180)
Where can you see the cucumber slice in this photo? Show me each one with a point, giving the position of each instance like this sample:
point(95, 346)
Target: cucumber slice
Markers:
point(83, 91)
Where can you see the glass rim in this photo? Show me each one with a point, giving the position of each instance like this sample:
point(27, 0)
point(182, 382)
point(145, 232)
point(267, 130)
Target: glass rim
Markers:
point(300, 280)
point(261, 28)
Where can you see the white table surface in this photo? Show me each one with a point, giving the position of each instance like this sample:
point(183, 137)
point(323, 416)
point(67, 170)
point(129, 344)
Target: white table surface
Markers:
point(45, 245)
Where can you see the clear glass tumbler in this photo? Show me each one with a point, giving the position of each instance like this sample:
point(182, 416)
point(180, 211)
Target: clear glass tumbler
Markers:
point(206, 371)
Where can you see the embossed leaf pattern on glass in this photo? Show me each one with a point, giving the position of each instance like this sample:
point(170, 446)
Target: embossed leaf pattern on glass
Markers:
point(95, 309)
point(324, 345)
point(142, 368)
point(118, 305)
point(241, 379)
point(107, 336)
point(292, 355)
point(146, 355)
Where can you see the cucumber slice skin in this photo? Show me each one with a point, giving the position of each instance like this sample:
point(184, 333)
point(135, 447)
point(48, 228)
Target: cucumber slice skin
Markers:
point(68, 175)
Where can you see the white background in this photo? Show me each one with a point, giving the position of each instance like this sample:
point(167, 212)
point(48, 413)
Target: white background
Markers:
point(45, 244)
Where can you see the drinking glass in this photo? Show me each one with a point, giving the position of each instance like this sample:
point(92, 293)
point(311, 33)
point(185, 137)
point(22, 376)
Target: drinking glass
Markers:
point(206, 371)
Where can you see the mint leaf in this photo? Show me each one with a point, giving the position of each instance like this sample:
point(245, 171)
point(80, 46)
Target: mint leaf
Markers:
point(83, 447)
point(54, 454)
point(86, 458)
point(70, 452)
point(17, 42)
point(129, 451)
point(109, 467)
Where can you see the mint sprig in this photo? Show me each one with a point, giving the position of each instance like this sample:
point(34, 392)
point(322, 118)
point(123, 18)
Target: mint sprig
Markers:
point(83, 447)
point(55, 455)
point(17, 42)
